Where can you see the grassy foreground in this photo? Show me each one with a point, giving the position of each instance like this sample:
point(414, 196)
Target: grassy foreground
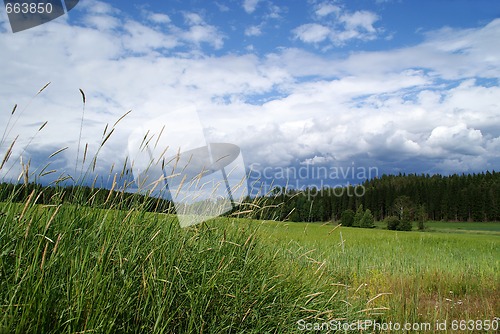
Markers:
point(75, 269)
point(71, 269)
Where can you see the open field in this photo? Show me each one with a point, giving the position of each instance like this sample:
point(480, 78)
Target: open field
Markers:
point(428, 276)
point(78, 269)
point(472, 227)
point(491, 228)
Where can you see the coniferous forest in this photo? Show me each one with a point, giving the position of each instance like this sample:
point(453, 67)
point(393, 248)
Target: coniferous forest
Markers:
point(466, 197)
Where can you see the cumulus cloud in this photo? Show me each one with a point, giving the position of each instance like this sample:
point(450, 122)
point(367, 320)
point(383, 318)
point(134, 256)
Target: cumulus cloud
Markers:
point(457, 139)
point(159, 18)
point(412, 105)
point(201, 32)
point(325, 9)
point(193, 19)
point(253, 31)
point(140, 38)
point(198, 34)
point(98, 7)
point(250, 5)
point(312, 32)
point(338, 26)
point(360, 20)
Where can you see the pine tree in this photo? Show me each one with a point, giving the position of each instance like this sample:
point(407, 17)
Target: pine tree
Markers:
point(347, 218)
point(422, 217)
point(358, 216)
point(405, 225)
point(367, 220)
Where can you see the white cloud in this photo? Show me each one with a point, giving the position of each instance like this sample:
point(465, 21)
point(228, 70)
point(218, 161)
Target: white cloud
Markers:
point(253, 31)
point(97, 7)
point(360, 20)
point(102, 22)
point(250, 5)
point(457, 139)
point(193, 19)
point(159, 18)
point(204, 34)
point(141, 38)
point(200, 32)
point(317, 160)
point(275, 12)
point(343, 27)
point(325, 9)
point(399, 142)
point(222, 7)
point(436, 55)
point(393, 105)
point(311, 33)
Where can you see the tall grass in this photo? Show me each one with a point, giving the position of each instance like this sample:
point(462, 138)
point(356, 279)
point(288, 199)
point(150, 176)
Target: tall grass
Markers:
point(69, 268)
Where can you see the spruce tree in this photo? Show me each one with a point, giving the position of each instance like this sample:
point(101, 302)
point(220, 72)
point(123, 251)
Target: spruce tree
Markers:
point(367, 220)
point(405, 225)
point(358, 216)
point(347, 218)
point(422, 217)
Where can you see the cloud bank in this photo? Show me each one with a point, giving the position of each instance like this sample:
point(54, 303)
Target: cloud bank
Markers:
point(425, 108)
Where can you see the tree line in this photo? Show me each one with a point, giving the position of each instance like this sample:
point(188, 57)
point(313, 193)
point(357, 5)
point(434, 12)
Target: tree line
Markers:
point(82, 195)
point(466, 197)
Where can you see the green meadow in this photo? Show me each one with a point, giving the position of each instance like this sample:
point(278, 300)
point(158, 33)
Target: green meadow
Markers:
point(423, 276)
point(80, 269)
point(491, 228)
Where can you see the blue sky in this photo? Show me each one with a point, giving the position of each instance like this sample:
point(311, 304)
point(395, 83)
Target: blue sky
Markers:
point(401, 86)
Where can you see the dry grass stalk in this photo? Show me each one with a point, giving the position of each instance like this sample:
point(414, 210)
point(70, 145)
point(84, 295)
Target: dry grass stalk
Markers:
point(8, 153)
